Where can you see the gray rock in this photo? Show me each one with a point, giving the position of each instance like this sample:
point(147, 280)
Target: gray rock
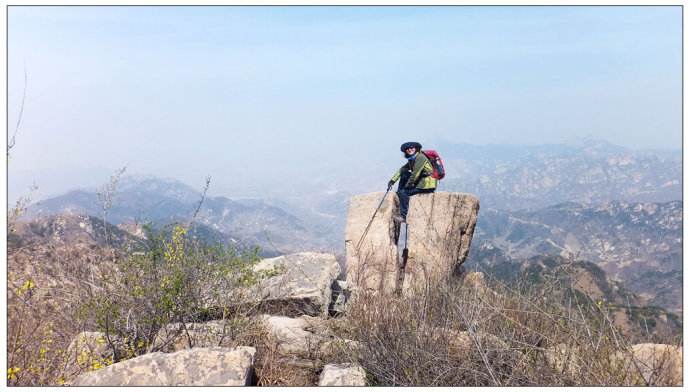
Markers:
point(302, 336)
point(194, 367)
point(301, 283)
point(307, 341)
point(440, 229)
point(372, 265)
point(343, 375)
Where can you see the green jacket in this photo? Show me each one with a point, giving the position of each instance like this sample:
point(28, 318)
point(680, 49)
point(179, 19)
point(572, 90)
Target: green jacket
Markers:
point(421, 173)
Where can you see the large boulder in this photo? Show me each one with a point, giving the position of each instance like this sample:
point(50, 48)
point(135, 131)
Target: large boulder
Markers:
point(342, 375)
point(370, 245)
point(299, 283)
point(439, 232)
point(440, 229)
point(194, 367)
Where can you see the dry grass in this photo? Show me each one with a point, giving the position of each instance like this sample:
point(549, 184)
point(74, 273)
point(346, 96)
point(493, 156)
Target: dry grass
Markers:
point(43, 317)
point(450, 335)
point(273, 368)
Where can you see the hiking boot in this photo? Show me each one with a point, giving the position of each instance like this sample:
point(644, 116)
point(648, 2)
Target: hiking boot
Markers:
point(398, 218)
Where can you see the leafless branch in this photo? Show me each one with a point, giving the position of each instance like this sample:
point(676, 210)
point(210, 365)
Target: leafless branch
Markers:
point(12, 140)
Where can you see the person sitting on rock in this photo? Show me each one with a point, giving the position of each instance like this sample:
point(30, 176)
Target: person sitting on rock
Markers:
point(415, 177)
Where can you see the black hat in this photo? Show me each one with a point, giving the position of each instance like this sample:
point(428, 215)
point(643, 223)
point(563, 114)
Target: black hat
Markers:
point(407, 145)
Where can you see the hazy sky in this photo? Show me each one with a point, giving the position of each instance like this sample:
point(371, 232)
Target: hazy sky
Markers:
point(184, 91)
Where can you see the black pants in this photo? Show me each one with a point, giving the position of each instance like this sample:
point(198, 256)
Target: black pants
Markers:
point(404, 194)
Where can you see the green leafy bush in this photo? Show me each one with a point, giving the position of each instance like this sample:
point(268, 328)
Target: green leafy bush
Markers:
point(175, 280)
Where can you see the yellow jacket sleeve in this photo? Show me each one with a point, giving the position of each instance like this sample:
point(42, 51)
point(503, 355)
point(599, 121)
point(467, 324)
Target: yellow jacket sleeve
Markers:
point(398, 173)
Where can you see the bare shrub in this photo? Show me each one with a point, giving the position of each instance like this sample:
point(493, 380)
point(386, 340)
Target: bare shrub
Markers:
point(34, 342)
point(45, 288)
point(447, 334)
point(273, 368)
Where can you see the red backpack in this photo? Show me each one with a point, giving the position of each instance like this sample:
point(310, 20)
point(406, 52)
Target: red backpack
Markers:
point(436, 163)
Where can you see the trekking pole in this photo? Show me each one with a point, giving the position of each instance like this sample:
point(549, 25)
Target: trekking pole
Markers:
point(366, 230)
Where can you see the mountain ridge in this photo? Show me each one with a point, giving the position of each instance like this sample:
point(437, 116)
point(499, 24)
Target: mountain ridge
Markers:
point(164, 202)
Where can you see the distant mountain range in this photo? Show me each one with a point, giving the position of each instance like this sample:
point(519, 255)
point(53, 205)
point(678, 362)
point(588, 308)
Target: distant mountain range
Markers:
point(636, 243)
point(618, 208)
point(152, 200)
point(532, 177)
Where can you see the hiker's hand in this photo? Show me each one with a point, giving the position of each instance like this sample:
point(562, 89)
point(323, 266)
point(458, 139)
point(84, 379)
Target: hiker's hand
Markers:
point(390, 184)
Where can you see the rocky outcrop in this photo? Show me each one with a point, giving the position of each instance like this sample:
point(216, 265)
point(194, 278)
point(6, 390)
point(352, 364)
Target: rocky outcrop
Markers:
point(194, 367)
point(440, 229)
point(372, 254)
point(297, 284)
point(342, 375)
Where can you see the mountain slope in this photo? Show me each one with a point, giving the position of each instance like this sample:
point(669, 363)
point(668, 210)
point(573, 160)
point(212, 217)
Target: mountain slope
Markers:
point(249, 222)
point(587, 283)
point(630, 241)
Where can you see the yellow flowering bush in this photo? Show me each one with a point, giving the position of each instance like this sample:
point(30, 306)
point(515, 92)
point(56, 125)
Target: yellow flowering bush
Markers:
point(27, 287)
point(175, 280)
point(12, 373)
point(128, 297)
point(33, 354)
